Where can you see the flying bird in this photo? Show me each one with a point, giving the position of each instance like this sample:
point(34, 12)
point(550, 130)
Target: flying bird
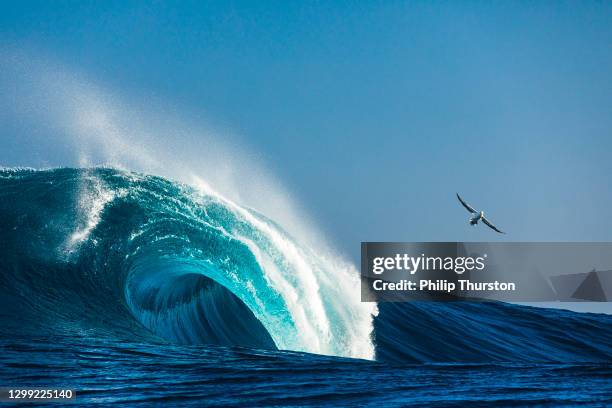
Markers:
point(477, 216)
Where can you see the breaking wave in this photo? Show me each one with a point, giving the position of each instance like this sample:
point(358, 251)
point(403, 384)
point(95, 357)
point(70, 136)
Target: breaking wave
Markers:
point(131, 252)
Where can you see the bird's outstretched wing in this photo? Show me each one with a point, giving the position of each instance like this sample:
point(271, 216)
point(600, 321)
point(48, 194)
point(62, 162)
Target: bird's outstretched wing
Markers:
point(493, 227)
point(466, 205)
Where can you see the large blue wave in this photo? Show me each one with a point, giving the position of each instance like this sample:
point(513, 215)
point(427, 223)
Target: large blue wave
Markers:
point(140, 257)
point(129, 252)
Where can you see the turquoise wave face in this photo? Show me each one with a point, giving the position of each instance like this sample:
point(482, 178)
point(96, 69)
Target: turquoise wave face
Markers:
point(186, 265)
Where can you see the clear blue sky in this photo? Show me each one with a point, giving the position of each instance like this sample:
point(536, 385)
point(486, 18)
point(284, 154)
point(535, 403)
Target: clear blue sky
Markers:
point(373, 114)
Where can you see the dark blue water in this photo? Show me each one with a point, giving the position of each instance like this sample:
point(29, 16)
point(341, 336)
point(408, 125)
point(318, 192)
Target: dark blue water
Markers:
point(105, 371)
point(131, 288)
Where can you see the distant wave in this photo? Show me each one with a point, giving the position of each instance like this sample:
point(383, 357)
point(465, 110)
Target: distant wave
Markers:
point(141, 257)
point(484, 332)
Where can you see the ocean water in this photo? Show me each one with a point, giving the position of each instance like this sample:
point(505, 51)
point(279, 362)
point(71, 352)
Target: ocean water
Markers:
point(132, 288)
point(144, 373)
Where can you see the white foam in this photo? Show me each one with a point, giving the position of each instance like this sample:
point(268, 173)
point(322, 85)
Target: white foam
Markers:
point(311, 285)
point(93, 197)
